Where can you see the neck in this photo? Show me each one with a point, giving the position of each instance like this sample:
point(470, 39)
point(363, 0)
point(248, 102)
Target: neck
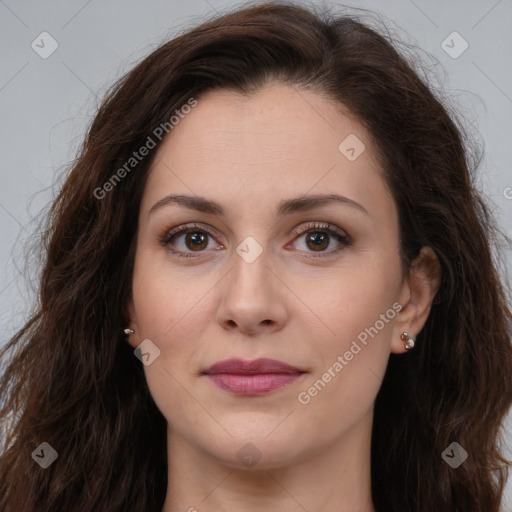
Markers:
point(336, 479)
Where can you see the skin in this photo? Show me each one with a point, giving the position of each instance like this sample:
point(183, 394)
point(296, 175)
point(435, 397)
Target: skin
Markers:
point(248, 154)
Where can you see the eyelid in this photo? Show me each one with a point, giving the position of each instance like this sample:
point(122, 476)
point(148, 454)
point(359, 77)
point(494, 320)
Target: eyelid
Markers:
point(184, 228)
point(326, 226)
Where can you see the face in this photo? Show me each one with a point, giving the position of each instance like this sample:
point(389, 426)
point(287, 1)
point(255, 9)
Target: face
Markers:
point(266, 273)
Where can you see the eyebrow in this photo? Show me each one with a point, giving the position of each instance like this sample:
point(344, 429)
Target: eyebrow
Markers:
point(286, 206)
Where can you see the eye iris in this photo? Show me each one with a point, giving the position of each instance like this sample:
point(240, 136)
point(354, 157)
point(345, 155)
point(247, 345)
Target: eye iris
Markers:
point(198, 240)
point(318, 239)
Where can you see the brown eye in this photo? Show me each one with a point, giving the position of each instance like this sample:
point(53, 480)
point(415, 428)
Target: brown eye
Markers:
point(196, 240)
point(188, 241)
point(317, 240)
point(318, 237)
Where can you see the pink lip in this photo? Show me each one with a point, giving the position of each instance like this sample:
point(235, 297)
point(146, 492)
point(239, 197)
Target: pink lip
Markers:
point(255, 377)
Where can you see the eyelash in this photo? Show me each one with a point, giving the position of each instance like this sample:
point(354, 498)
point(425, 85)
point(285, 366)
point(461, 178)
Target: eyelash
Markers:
point(328, 228)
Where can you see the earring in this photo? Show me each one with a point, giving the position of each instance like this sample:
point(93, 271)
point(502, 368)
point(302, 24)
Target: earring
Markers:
point(410, 340)
point(128, 331)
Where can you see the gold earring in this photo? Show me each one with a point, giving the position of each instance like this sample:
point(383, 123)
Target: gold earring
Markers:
point(409, 340)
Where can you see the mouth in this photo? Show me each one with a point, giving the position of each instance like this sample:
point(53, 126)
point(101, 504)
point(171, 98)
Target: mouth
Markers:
point(252, 378)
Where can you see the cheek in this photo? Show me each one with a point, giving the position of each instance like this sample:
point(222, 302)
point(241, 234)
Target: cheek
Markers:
point(169, 303)
point(358, 310)
point(353, 299)
point(170, 313)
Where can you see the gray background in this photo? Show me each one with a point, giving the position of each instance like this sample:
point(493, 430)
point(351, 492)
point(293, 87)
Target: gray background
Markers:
point(45, 104)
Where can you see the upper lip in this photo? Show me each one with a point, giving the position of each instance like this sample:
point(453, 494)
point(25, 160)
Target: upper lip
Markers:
point(254, 367)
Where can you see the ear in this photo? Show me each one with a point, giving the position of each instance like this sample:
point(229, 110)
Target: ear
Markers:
point(416, 297)
point(129, 311)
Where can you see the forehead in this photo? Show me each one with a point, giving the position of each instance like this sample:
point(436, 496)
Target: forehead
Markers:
point(278, 121)
point(280, 141)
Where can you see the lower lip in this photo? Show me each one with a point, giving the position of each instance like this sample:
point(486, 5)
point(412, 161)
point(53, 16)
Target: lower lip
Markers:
point(259, 384)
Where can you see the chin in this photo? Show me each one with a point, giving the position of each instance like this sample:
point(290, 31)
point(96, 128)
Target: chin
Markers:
point(256, 446)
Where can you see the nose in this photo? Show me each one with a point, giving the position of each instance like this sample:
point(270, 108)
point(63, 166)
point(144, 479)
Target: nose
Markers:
point(253, 300)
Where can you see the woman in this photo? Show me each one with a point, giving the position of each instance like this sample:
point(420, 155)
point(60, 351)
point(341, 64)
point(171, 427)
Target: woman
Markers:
point(269, 284)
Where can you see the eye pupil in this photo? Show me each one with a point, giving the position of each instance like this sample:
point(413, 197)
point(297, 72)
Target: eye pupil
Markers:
point(318, 239)
point(198, 240)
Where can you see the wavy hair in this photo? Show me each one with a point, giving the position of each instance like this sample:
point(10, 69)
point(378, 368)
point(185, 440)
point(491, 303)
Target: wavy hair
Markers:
point(70, 378)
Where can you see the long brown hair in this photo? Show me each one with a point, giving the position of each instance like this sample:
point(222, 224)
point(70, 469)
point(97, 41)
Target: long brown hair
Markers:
point(72, 380)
